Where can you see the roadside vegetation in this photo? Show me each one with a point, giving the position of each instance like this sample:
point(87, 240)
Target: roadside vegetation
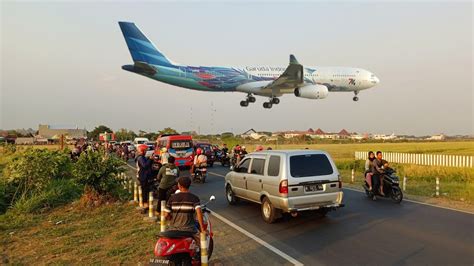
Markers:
point(34, 181)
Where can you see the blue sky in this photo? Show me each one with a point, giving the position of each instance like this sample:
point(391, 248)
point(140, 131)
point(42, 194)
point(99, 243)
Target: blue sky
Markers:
point(60, 64)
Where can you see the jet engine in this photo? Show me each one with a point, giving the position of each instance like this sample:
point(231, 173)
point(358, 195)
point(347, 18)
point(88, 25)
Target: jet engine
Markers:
point(312, 92)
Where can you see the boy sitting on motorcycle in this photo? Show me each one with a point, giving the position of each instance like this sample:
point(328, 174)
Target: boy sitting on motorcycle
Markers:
point(181, 207)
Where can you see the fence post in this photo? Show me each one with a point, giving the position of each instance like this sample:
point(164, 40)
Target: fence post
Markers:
point(162, 216)
point(129, 186)
point(124, 181)
point(352, 176)
point(140, 197)
point(151, 214)
point(404, 183)
point(204, 258)
point(437, 187)
point(135, 192)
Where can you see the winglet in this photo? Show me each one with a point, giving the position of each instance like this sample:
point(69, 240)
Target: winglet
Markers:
point(293, 59)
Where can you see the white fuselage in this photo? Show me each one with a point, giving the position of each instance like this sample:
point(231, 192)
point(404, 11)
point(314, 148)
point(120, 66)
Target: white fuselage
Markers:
point(335, 78)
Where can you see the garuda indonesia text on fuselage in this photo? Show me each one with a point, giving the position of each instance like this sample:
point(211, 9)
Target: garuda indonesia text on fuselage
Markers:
point(271, 82)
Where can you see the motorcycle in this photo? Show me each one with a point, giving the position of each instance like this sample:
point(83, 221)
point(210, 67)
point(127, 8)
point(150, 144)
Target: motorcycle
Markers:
point(223, 158)
point(181, 248)
point(391, 187)
point(200, 174)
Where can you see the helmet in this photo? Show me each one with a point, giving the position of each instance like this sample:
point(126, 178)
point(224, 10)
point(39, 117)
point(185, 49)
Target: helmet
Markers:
point(142, 148)
point(199, 151)
point(259, 148)
point(164, 149)
point(243, 147)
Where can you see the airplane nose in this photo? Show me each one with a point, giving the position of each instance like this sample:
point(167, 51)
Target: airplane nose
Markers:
point(376, 80)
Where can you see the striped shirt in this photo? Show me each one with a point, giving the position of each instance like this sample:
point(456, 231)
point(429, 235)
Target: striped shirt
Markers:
point(182, 206)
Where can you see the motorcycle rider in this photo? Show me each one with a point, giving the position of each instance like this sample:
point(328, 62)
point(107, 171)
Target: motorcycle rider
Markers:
point(167, 176)
point(259, 148)
point(368, 169)
point(225, 150)
point(200, 160)
point(181, 207)
point(377, 172)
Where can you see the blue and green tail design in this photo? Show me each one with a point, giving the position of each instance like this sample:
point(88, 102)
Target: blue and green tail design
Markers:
point(142, 49)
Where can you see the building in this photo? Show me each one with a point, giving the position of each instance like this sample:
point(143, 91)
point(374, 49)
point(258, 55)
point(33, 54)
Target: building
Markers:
point(252, 134)
point(48, 132)
point(437, 137)
point(24, 141)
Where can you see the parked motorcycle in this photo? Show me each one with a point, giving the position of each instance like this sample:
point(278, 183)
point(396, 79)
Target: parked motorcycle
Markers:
point(391, 187)
point(181, 248)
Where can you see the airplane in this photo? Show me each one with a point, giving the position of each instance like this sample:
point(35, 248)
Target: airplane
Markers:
point(267, 81)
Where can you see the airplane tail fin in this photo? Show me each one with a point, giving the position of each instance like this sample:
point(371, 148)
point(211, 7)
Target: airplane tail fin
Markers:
point(142, 49)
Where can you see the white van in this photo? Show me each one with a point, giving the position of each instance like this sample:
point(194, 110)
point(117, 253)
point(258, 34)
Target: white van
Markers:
point(286, 182)
point(139, 141)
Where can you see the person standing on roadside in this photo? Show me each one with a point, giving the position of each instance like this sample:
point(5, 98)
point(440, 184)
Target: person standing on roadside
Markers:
point(144, 172)
point(167, 176)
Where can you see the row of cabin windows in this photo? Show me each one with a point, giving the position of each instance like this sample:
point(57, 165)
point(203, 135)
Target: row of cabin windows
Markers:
point(274, 75)
point(342, 76)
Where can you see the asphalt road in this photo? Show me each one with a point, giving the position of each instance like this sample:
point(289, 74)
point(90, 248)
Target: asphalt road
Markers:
point(362, 233)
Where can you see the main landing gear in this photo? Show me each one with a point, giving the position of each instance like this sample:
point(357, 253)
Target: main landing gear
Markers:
point(355, 99)
point(271, 102)
point(250, 99)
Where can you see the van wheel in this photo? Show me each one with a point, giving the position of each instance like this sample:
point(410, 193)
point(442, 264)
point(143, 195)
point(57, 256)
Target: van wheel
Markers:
point(230, 196)
point(269, 213)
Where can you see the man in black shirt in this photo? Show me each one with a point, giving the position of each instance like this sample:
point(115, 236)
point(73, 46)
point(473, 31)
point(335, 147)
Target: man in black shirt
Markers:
point(378, 171)
point(182, 206)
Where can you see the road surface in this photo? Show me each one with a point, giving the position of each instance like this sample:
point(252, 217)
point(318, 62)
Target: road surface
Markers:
point(364, 232)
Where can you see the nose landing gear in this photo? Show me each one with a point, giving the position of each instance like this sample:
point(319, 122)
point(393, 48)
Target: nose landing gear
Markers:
point(355, 99)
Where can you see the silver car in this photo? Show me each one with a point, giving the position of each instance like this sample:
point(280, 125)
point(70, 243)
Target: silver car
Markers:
point(288, 181)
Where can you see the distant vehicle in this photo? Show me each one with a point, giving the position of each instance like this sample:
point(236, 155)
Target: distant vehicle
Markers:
point(128, 142)
point(208, 150)
point(267, 81)
point(286, 182)
point(151, 149)
point(179, 146)
point(139, 141)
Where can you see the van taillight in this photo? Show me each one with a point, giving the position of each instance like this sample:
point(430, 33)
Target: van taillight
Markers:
point(283, 187)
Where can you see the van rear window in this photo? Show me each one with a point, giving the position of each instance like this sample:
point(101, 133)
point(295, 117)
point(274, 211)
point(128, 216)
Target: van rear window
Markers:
point(310, 165)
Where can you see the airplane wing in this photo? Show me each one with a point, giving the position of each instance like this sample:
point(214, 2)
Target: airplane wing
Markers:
point(290, 79)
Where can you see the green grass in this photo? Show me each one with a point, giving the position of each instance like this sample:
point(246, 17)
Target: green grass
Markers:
point(122, 238)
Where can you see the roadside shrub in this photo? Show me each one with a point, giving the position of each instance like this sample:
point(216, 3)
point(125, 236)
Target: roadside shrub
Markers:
point(32, 170)
point(97, 172)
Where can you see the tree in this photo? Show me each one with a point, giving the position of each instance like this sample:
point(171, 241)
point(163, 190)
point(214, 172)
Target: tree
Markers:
point(94, 134)
point(168, 130)
point(124, 134)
